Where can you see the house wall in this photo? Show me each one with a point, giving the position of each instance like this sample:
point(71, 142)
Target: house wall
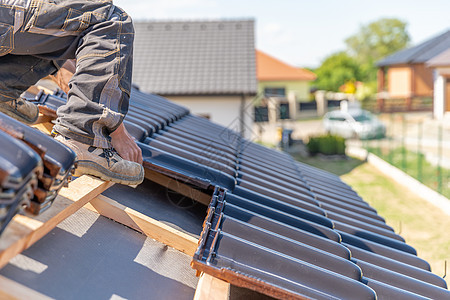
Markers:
point(223, 110)
point(300, 89)
point(423, 80)
point(447, 96)
point(399, 82)
point(441, 97)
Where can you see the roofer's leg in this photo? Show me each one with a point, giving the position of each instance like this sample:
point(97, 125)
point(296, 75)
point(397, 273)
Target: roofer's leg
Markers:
point(100, 36)
point(98, 100)
point(17, 74)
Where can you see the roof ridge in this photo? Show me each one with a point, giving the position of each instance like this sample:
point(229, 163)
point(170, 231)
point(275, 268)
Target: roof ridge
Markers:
point(189, 20)
point(408, 55)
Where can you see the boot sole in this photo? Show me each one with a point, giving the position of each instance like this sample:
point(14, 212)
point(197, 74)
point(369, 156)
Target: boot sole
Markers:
point(90, 168)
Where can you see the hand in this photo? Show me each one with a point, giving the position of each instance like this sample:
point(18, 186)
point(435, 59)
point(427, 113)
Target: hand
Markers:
point(125, 145)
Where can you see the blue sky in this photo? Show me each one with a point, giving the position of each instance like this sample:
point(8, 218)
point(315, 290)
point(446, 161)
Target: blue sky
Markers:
point(302, 32)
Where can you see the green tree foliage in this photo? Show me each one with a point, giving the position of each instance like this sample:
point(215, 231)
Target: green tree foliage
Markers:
point(374, 41)
point(337, 69)
point(371, 43)
point(378, 39)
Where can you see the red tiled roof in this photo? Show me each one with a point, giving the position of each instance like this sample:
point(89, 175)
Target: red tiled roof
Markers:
point(270, 68)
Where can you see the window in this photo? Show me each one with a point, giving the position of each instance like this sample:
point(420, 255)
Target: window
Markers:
point(275, 92)
point(337, 118)
point(261, 114)
point(362, 118)
point(284, 111)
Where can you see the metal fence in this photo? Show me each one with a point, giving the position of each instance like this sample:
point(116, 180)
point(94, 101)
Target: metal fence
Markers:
point(418, 145)
point(424, 104)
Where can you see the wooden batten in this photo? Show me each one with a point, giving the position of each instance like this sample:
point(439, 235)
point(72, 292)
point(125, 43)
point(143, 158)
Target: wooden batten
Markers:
point(211, 288)
point(44, 124)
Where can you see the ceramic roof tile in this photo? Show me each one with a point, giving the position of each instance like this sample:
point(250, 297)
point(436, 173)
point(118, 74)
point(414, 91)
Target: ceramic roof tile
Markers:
point(33, 168)
point(270, 68)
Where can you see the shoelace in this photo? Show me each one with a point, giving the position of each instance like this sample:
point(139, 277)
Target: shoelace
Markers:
point(109, 153)
point(14, 103)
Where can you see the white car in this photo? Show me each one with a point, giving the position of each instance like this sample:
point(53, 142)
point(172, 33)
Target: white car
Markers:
point(355, 123)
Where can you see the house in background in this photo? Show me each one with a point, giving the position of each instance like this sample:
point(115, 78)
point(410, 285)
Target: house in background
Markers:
point(441, 99)
point(207, 66)
point(282, 87)
point(405, 76)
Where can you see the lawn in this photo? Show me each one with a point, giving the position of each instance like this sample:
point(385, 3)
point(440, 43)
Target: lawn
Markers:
point(337, 165)
point(424, 226)
point(415, 165)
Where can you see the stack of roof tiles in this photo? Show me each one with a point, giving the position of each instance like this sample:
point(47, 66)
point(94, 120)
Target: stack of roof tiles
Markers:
point(33, 168)
point(275, 225)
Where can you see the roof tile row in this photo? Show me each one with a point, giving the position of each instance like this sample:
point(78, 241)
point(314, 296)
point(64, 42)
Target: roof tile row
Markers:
point(276, 225)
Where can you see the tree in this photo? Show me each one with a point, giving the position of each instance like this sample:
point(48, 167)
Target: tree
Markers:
point(377, 40)
point(371, 43)
point(336, 70)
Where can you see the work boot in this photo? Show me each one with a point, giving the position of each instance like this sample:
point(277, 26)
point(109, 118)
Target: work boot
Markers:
point(103, 163)
point(21, 110)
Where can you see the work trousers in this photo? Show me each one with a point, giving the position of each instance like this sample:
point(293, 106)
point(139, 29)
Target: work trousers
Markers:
point(37, 37)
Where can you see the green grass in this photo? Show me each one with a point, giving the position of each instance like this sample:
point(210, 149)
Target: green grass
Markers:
point(424, 226)
point(338, 165)
point(312, 118)
point(268, 145)
point(415, 165)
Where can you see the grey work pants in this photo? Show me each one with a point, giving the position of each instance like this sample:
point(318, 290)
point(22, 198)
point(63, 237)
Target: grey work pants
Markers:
point(36, 37)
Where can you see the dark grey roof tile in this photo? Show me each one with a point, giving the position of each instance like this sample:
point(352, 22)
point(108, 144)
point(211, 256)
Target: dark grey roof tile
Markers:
point(195, 57)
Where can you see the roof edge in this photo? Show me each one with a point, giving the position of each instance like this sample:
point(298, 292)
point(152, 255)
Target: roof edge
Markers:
point(307, 76)
point(384, 62)
point(261, 79)
point(189, 20)
point(237, 94)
